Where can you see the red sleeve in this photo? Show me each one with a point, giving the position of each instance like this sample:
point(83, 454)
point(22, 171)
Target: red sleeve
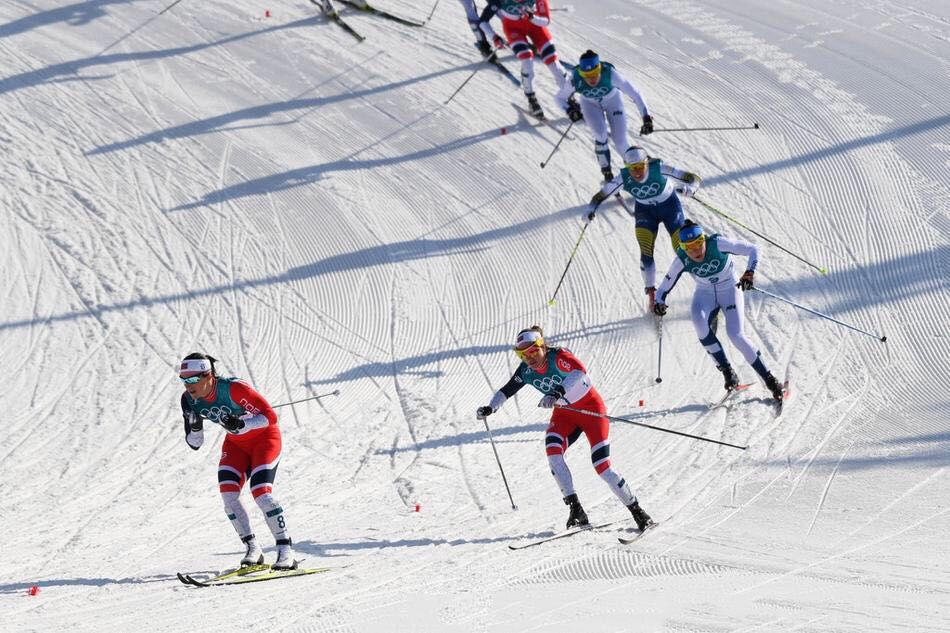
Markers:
point(567, 362)
point(541, 9)
point(253, 402)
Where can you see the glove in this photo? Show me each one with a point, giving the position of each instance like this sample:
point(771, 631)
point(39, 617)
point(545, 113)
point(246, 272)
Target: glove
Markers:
point(574, 111)
point(647, 127)
point(232, 423)
point(659, 309)
point(483, 412)
point(194, 433)
point(745, 281)
point(687, 190)
point(547, 402)
point(499, 42)
point(589, 214)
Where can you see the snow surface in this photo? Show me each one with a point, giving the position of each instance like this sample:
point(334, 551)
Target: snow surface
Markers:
point(308, 210)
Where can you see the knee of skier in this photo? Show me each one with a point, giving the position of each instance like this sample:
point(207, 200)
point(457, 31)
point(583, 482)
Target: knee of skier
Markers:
point(231, 500)
point(266, 502)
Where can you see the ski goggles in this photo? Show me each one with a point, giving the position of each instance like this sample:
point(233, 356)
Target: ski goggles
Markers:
point(691, 238)
point(529, 350)
point(191, 380)
point(592, 72)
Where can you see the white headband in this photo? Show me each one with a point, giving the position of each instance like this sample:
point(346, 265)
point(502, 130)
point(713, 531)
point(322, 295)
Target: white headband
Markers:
point(527, 337)
point(195, 366)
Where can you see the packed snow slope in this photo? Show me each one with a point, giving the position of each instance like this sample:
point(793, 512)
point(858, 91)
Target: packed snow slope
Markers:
point(309, 210)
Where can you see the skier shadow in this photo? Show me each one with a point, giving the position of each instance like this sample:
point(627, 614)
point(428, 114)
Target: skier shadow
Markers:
point(314, 173)
point(77, 14)
point(23, 587)
point(229, 121)
point(324, 550)
point(69, 71)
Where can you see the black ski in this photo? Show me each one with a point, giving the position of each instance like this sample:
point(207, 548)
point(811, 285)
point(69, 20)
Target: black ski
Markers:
point(494, 61)
point(367, 8)
point(638, 535)
point(330, 11)
point(566, 533)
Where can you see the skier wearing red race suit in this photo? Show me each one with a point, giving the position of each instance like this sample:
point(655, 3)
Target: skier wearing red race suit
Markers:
point(563, 380)
point(251, 450)
point(525, 21)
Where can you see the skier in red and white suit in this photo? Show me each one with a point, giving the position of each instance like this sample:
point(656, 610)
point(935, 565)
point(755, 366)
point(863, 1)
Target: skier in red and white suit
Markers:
point(251, 450)
point(562, 378)
point(525, 21)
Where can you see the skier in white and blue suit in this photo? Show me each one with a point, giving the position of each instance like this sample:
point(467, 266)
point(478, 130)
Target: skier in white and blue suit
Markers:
point(707, 260)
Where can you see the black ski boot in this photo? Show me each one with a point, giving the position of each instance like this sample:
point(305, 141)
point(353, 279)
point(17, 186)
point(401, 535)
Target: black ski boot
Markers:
point(534, 105)
point(732, 380)
point(485, 49)
point(577, 517)
point(608, 173)
point(773, 384)
point(642, 518)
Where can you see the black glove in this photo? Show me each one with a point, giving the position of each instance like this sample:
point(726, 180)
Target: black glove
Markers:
point(194, 432)
point(746, 280)
point(232, 423)
point(647, 127)
point(483, 412)
point(659, 309)
point(574, 111)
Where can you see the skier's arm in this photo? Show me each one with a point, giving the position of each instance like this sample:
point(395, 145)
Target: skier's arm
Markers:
point(483, 22)
point(501, 396)
point(564, 94)
point(258, 412)
point(631, 91)
point(541, 15)
point(690, 180)
point(672, 276)
point(738, 247)
point(608, 189)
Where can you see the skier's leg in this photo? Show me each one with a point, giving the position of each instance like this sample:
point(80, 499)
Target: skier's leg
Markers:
point(266, 459)
point(703, 311)
point(671, 212)
point(232, 467)
point(647, 225)
point(735, 325)
point(556, 440)
point(617, 118)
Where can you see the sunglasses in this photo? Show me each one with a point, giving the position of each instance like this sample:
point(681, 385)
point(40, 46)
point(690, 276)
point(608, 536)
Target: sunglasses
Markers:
point(193, 379)
point(695, 243)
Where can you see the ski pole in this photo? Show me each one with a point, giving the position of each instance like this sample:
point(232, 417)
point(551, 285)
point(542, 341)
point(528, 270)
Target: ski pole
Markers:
point(659, 356)
point(559, 141)
point(498, 460)
point(569, 260)
point(468, 79)
point(883, 339)
point(335, 392)
point(754, 126)
point(655, 428)
point(432, 12)
point(822, 270)
point(169, 7)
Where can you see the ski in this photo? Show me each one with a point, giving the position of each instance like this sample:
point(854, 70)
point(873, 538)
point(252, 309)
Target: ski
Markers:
point(566, 533)
point(544, 120)
point(780, 404)
point(259, 576)
point(240, 571)
point(368, 8)
point(729, 394)
point(494, 61)
point(334, 16)
point(638, 535)
point(623, 203)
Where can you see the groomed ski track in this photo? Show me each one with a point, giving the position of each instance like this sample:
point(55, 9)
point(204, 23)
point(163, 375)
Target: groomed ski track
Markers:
point(306, 209)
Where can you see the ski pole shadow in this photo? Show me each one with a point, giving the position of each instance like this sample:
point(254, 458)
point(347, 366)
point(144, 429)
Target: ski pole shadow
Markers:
point(22, 587)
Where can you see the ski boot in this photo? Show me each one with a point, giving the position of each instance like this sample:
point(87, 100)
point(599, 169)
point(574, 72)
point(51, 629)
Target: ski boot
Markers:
point(536, 110)
point(285, 556)
point(773, 384)
point(485, 49)
point(253, 555)
point(642, 518)
point(577, 517)
point(650, 292)
point(732, 380)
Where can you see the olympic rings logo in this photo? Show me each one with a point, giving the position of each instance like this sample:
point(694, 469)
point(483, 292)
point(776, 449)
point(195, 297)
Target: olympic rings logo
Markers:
point(596, 93)
point(707, 268)
point(548, 383)
point(216, 413)
point(646, 191)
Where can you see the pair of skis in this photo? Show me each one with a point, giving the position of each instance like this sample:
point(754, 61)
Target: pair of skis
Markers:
point(333, 15)
point(580, 530)
point(248, 574)
point(724, 400)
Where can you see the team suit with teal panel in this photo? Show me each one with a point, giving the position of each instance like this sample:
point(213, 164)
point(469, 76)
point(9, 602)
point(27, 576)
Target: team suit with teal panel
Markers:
point(655, 201)
point(525, 21)
point(602, 107)
point(252, 453)
point(564, 376)
point(716, 291)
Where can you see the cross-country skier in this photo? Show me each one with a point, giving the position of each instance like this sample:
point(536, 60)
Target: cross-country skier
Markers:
point(654, 186)
point(556, 373)
point(525, 21)
point(251, 449)
point(707, 260)
point(481, 41)
point(601, 88)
